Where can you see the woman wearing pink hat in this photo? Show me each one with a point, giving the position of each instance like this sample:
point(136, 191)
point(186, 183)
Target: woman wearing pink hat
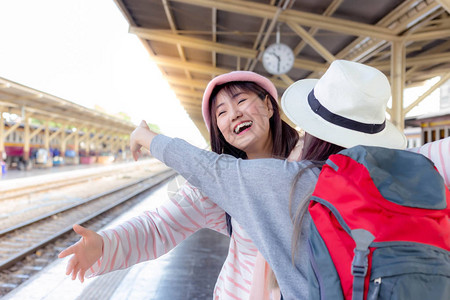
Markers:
point(344, 108)
point(241, 112)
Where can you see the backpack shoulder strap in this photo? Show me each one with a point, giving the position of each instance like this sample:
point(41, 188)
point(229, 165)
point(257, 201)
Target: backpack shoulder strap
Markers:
point(363, 238)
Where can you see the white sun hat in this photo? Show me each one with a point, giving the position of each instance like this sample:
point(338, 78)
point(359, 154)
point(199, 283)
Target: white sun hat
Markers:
point(346, 106)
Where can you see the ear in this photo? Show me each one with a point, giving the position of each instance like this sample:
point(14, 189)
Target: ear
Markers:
point(269, 106)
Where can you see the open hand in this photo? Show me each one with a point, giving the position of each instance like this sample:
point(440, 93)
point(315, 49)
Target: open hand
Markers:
point(142, 136)
point(85, 252)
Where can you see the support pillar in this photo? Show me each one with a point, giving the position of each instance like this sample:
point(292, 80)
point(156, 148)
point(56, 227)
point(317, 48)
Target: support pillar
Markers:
point(2, 135)
point(26, 140)
point(47, 137)
point(397, 83)
point(76, 146)
point(63, 145)
point(124, 149)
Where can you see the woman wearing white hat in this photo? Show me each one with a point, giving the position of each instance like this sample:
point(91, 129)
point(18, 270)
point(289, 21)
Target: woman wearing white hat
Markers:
point(346, 107)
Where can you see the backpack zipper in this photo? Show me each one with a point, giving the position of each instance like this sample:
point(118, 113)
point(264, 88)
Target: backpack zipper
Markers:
point(376, 289)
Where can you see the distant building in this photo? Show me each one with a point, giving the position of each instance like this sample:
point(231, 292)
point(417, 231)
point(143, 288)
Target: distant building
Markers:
point(445, 95)
point(434, 126)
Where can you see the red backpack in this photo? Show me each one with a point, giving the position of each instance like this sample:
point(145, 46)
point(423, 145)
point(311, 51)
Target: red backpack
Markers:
point(380, 227)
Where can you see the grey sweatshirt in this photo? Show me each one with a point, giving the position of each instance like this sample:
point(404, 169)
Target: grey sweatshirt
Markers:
point(256, 193)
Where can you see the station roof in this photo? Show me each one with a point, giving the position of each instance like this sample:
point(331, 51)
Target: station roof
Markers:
point(194, 40)
point(19, 99)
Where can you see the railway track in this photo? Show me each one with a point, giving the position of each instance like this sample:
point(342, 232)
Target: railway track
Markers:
point(25, 238)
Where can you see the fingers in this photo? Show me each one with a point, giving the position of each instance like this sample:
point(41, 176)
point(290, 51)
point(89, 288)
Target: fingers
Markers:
point(66, 252)
point(75, 271)
point(71, 250)
point(143, 124)
point(80, 229)
point(74, 266)
point(81, 275)
point(136, 154)
point(137, 136)
point(70, 265)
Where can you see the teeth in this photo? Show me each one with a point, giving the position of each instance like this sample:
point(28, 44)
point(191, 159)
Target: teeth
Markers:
point(245, 124)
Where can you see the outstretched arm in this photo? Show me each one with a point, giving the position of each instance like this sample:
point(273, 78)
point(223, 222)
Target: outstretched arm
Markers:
point(145, 237)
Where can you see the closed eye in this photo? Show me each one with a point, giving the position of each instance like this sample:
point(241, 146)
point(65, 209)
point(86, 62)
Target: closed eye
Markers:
point(220, 113)
point(242, 100)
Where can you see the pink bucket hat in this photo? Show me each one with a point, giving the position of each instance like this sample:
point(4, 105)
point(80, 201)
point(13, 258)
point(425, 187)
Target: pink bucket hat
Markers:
point(262, 81)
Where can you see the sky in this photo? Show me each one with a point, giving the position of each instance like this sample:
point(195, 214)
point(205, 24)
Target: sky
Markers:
point(81, 51)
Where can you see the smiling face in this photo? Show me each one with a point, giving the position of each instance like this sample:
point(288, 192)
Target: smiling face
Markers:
point(243, 119)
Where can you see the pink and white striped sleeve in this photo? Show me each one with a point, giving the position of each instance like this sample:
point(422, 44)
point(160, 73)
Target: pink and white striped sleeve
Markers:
point(157, 231)
point(439, 153)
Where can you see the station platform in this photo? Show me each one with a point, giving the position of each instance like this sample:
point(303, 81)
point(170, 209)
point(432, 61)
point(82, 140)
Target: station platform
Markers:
point(17, 174)
point(187, 272)
point(14, 173)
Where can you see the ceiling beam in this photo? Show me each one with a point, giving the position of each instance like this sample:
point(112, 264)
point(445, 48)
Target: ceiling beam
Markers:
point(195, 113)
point(427, 93)
point(197, 67)
point(312, 42)
point(192, 104)
point(429, 35)
point(445, 4)
point(313, 30)
point(302, 18)
point(187, 92)
point(124, 10)
point(400, 19)
point(258, 43)
point(430, 60)
point(173, 27)
point(418, 77)
point(310, 65)
point(338, 25)
point(195, 43)
point(200, 84)
point(208, 69)
point(189, 101)
point(214, 34)
point(286, 79)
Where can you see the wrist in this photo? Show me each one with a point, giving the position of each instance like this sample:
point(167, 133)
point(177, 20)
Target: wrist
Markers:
point(148, 139)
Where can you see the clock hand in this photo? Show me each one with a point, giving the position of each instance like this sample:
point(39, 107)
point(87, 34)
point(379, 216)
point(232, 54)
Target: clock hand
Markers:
point(274, 54)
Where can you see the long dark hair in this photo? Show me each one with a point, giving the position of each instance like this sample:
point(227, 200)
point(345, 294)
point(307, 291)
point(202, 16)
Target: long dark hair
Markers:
point(284, 137)
point(317, 152)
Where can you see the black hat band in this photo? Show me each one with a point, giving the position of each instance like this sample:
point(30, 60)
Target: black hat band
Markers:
point(340, 120)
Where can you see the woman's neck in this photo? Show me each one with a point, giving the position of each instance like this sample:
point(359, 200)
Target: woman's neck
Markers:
point(259, 155)
point(264, 150)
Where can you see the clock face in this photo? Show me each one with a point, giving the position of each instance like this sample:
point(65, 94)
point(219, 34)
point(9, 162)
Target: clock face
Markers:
point(278, 59)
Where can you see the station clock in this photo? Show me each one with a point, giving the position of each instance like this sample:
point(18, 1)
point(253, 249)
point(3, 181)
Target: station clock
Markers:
point(278, 59)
